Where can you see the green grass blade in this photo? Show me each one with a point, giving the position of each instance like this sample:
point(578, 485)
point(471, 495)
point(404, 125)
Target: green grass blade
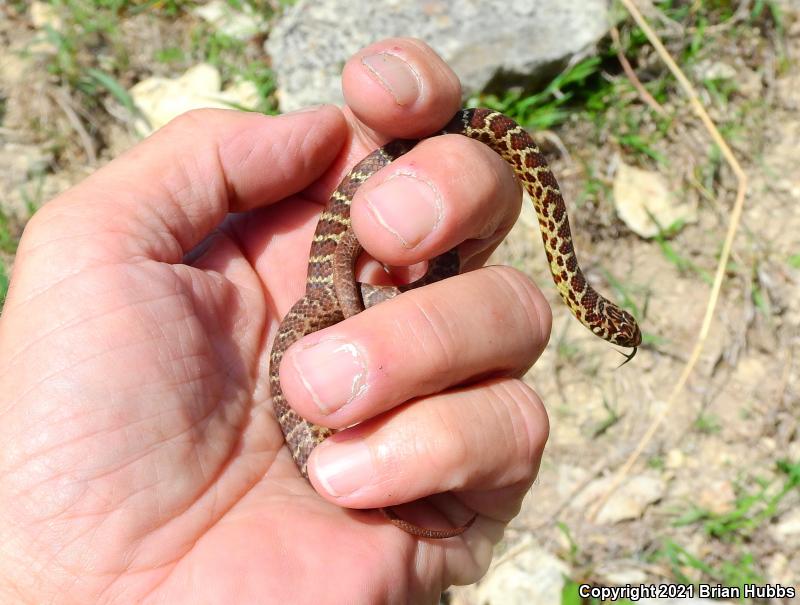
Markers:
point(117, 90)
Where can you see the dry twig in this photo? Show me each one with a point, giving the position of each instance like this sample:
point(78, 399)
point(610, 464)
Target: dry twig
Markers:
point(64, 101)
point(634, 79)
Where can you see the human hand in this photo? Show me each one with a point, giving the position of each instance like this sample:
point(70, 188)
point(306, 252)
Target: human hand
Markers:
point(139, 456)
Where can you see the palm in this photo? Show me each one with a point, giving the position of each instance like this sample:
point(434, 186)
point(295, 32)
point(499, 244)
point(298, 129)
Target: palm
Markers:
point(216, 494)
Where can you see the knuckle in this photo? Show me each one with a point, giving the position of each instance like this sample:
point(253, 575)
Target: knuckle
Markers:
point(522, 291)
point(469, 170)
point(451, 457)
point(528, 427)
point(496, 173)
point(433, 333)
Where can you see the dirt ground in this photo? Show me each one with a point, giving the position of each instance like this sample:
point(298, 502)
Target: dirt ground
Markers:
point(714, 496)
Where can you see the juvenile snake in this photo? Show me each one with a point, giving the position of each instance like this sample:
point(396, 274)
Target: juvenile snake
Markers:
point(332, 293)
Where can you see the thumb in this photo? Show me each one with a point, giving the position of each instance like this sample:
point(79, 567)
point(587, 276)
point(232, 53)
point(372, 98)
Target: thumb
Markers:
point(162, 197)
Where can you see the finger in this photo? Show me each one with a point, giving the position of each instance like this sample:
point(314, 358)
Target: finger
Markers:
point(166, 194)
point(401, 88)
point(395, 88)
point(443, 192)
point(489, 436)
point(493, 321)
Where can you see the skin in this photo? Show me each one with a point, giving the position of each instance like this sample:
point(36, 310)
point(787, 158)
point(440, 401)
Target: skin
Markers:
point(140, 460)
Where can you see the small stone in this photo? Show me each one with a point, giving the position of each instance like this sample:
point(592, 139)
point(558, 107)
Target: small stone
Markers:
point(717, 497)
point(241, 23)
point(13, 68)
point(617, 574)
point(532, 575)
point(162, 99)
point(788, 526)
point(778, 570)
point(644, 202)
point(19, 161)
point(675, 459)
point(628, 501)
point(715, 70)
point(44, 14)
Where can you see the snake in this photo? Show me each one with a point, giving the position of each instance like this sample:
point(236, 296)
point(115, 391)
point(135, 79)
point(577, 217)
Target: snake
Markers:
point(332, 293)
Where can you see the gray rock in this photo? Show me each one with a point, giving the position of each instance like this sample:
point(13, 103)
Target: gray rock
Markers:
point(487, 42)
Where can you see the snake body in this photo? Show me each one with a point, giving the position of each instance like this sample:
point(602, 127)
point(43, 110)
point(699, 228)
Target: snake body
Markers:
point(332, 293)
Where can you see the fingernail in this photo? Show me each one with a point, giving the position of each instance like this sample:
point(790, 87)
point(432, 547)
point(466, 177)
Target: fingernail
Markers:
point(406, 206)
point(333, 372)
point(395, 75)
point(343, 467)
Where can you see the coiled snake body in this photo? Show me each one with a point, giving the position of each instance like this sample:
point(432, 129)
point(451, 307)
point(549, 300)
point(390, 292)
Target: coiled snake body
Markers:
point(333, 294)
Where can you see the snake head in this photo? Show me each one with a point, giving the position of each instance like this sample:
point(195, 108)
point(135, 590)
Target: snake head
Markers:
point(622, 329)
